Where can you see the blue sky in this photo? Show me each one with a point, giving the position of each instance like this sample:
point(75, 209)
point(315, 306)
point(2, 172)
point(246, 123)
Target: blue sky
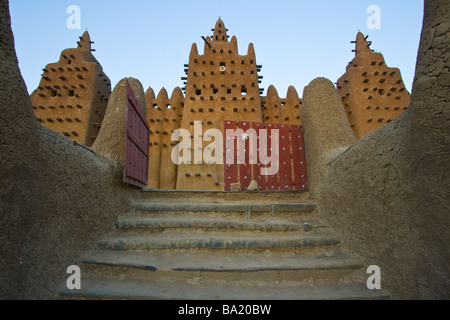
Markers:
point(295, 40)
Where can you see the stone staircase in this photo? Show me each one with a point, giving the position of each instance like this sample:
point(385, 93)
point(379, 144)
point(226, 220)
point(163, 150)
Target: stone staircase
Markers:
point(219, 245)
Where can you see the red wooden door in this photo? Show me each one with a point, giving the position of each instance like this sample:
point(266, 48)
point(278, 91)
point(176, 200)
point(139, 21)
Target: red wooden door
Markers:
point(137, 135)
point(290, 162)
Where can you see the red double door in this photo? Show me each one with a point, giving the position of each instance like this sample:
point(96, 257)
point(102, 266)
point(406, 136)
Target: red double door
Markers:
point(281, 144)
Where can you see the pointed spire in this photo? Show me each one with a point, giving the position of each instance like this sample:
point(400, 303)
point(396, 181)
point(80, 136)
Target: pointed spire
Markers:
point(176, 102)
point(150, 94)
point(272, 106)
point(162, 95)
point(149, 101)
point(220, 32)
point(85, 41)
point(234, 44)
point(251, 51)
point(362, 46)
point(194, 51)
point(177, 94)
point(272, 93)
point(292, 95)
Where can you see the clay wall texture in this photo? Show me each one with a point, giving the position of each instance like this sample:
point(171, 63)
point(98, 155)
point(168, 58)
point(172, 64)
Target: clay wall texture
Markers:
point(164, 116)
point(277, 110)
point(372, 93)
point(388, 193)
point(56, 198)
point(73, 94)
point(221, 85)
point(111, 138)
point(213, 95)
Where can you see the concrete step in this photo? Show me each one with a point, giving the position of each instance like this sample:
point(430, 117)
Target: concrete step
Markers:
point(267, 267)
point(97, 288)
point(252, 207)
point(219, 240)
point(222, 196)
point(186, 221)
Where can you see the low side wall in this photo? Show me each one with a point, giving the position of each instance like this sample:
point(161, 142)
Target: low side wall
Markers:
point(388, 194)
point(56, 198)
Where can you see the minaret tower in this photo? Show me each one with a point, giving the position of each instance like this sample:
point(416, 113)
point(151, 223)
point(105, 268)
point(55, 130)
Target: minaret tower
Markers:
point(372, 93)
point(220, 85)
point(73, 94)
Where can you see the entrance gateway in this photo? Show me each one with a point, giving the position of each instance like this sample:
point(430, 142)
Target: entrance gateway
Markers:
point(290, 160)
point(290, 163)
point(221, 86)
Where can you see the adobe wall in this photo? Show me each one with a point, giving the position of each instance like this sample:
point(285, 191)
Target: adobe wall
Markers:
point(327, 131)
point(73, 94)
point(164, 116)
point(277, 110)
point(111, 138)
point(56, 199)
point(221, 85)
point(372, 93)
point(388, 195)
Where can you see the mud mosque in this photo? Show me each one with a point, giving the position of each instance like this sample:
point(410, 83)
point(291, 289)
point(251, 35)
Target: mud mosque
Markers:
point(363, 179)
point(73, 94)
point(219, 85)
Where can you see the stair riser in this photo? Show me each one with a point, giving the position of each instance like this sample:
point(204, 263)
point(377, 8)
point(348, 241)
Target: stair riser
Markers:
point(244, 215)
point(241, 278)
point(215, 244)
point(98, 288)
point(161, 227)
point(228, 208)
point(297, 251)
point(224, 196)
point(199, 231)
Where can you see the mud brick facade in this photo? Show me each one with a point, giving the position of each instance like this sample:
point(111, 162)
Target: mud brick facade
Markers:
point(372, 93)
point(220, 84)
point(73, 94)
